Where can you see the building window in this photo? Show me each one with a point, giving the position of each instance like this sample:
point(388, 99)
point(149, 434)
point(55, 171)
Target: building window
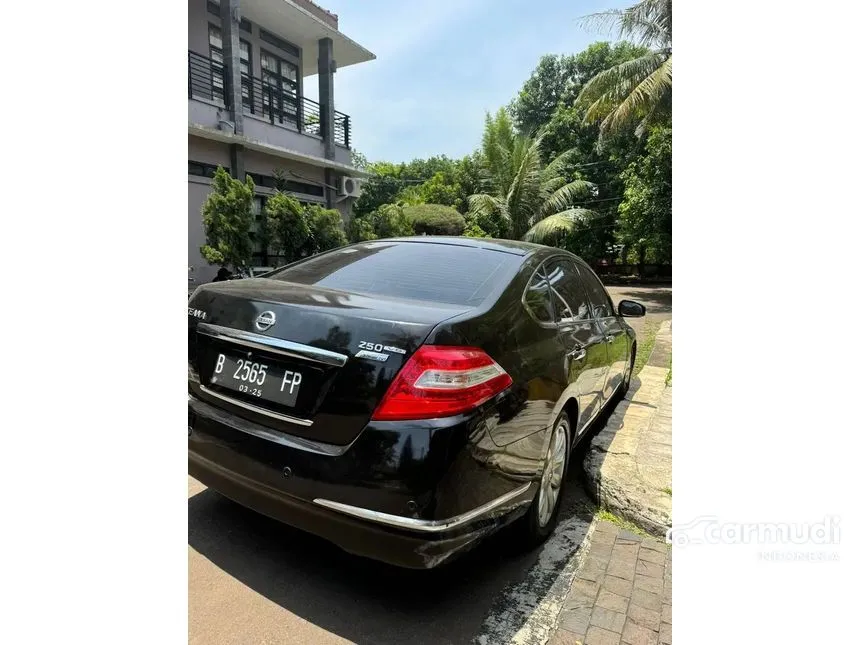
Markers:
point(215, 9)
point(280, 88)
point(216, 53)
point(290, 186)
point(280, 43)
point(217, 57)
point(200, 169)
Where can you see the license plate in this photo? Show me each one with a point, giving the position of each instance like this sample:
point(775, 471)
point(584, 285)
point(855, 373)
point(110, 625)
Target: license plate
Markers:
point(257, 378)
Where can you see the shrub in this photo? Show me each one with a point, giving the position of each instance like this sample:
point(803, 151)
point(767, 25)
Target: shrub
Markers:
point(287, 225)
point(227, 221)
point(435, 219)
point(326, 228)
point(360, 229)
point(473, 230)
point(391, 221)
point(491, 223)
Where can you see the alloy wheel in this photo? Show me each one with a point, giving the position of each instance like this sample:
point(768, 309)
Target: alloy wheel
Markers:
point(550, 483)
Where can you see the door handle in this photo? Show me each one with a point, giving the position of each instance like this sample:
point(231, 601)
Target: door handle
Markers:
point(609, 339)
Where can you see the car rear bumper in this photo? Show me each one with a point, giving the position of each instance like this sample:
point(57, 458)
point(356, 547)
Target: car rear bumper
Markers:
point(325, 494)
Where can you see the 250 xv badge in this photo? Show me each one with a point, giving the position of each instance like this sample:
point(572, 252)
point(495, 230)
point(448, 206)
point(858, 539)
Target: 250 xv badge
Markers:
point(374, 351)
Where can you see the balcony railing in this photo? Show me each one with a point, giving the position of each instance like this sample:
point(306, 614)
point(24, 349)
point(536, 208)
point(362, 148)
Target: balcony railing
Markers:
point(205, 78)
point(279, 105)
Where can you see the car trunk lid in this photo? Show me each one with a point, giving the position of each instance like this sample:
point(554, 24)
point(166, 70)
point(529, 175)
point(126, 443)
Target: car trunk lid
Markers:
point(322, 365)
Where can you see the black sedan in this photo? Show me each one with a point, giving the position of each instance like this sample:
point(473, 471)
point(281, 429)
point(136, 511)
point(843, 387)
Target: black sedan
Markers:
point(404, 398)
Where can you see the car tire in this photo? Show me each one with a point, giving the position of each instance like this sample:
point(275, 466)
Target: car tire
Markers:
point(628, 375)
point(535, 527)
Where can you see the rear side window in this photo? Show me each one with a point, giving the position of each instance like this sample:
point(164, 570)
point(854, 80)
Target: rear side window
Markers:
point(537, 298)
point(444, 273)
point(569, 295)
point(600, 301)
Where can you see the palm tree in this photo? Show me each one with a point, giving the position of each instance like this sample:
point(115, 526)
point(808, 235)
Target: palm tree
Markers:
point(639, 90)
point(525, 198)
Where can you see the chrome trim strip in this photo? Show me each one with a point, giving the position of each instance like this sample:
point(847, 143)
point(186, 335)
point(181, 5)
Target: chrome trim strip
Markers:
point(204, 409)
point(425, 526)
point(255, 408)
point(267, 343)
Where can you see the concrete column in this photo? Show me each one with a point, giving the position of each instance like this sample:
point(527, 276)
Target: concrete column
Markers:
point(232, 69)
point(330, 194)
point(326, 68)
point(237, 161)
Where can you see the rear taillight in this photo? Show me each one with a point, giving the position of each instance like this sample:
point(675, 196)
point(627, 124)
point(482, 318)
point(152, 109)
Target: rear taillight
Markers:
point(440, 381)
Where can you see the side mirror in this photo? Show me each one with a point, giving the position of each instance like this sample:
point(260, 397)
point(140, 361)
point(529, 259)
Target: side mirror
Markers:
point(630, 309)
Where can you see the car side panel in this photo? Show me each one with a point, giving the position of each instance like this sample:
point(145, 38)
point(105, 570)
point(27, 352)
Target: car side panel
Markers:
point(585, 365)
point(611, 331)
point(618, 352)
point(531, 353)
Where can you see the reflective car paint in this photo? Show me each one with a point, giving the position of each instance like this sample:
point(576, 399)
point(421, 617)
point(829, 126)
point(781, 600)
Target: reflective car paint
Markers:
point(430, 469)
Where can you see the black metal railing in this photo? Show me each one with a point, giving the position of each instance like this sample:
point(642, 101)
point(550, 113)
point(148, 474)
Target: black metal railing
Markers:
point(205, 78)
point(279, 105)
point(341, 129)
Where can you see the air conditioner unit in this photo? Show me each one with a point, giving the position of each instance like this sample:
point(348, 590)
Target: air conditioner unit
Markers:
point(349, 187)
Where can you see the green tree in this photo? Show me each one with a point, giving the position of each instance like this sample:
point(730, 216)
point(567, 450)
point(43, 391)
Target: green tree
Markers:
point(405, 183)
point(326, 228)
point(378, 190)
point(557, 80)
point(468, 179)
point(358, 159)
point(541, 93)
point(639, 90)
point(227, 219)
point(566, 132)
point(410, 196)
point(646, 212)
point(287, 226)
point(441, 188)
point(525, 197)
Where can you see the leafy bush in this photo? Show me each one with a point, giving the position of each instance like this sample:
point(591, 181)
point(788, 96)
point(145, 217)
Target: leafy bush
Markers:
point(473, 230)
point(391, 221)
point(387, 221)
point(490, 222)
point(360, 229)
point(227, 219)
point(435, 219)
point(440, 189)
point(410, 196)
point(287, 225)
point(326, 228)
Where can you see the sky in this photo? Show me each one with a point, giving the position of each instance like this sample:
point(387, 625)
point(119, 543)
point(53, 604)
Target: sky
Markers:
point(442, 64)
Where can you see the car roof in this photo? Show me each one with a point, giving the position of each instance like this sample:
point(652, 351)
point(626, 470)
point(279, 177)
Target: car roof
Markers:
point(514, 247)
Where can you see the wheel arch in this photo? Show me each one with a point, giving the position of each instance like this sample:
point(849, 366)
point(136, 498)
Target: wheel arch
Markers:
point(571, 407)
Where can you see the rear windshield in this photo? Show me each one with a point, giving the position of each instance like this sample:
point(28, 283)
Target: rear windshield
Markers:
point(458, 275)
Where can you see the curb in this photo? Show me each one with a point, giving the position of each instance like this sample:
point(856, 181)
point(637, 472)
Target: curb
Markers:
point(630, 458)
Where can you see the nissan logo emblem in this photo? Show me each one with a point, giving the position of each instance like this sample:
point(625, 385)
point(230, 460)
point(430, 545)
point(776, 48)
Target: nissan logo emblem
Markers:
point(265, 320)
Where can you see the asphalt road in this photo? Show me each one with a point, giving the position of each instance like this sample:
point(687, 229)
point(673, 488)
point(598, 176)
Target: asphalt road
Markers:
point(252, 580)
point(657, 301)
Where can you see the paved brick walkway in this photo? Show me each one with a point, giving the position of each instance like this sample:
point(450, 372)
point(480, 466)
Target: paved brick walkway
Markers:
point(622, 592)
point(628, 465)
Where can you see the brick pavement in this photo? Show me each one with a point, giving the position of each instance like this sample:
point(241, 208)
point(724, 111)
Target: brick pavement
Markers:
point(628, 464)
point(622, 592)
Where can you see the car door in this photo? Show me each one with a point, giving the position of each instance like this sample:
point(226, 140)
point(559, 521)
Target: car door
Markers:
point(614, 336)
point(585, 360)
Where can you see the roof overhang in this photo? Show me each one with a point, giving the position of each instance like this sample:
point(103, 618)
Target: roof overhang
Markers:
point(276, 151)
point(300, 27)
